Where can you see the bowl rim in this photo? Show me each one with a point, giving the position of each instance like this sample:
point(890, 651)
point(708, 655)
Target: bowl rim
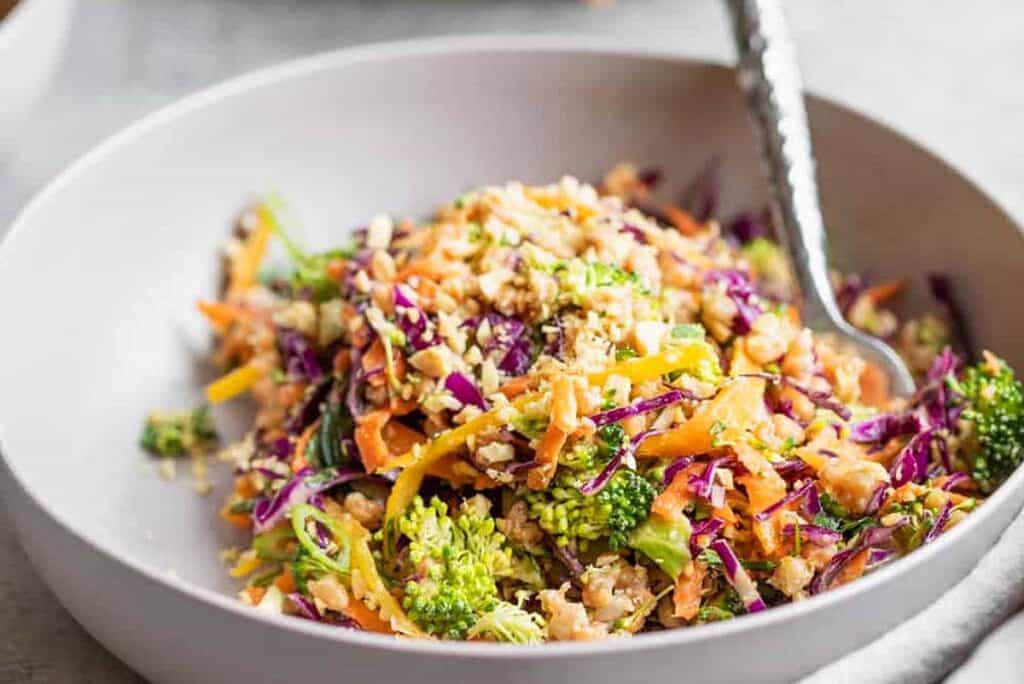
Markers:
point(465, 45)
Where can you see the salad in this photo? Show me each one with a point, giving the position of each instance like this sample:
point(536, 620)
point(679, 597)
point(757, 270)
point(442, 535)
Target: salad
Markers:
point(566, 412)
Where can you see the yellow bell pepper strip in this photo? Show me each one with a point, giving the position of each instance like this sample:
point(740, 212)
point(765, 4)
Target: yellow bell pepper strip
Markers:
point(417, 462)
point(740, 403)
point(690, 355)
point(245, 265)
point(367, 583)
point(232, 384)
point(693, 355)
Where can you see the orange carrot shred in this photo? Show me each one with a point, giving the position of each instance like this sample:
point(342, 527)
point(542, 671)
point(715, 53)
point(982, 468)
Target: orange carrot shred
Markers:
point(683, 222)
point(366, 618)
point(687, 594)
point(299, 461)
point(370, 438)
point(883, 292)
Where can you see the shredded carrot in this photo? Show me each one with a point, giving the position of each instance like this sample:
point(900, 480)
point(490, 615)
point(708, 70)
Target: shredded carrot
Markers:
point(366, 618)
point(762, 492)
point(254, 594)
point(336, 269)
point(298, 461)
point(874, 385)
point(687, 594)
point(740, 403)
point(563, 403)
point(725, 514)
point(370, 440)
point(547, 455)
point(402, 407)
point(883, 292)
point(373, 359)
point(516, 386)
point(245, 265)
point(454, 470)
point(245, 488)
point(240, 520)
point(853, 569)
point(671, 502)
point(285, 582)
point(219, 314)
point(400, 438)
point(683, 222)
point(342, 361)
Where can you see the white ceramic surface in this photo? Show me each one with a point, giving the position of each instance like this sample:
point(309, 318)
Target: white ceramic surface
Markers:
point(98, 277)
point(32, 40)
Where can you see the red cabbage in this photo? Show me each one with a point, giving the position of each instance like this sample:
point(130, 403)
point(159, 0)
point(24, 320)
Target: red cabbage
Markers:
point(792, 469)
point(884, 427)
point(279, 449)
point(822, 400)
point(306, 607)
point(748, 226)
point(878, 556)
point(815, 534)
point(268, 473)
point(299, 356)
point(702, 484)
point(598, 483)
point(412, 320)
point(849, 290)
point(651, 177)
point(674, 468)
point(823, 580)
point(510, 337)
point(940, 522)
point(954, 480)
point(871, 537)
point(306, 483)
point(739, 289)
point(808, 491)
point(465, 391)
point(641, 407)
point(635, 232)
point(875, 536)
point(877, 498)
point(738, 577)
point(309, 409)
point(911, 463)
point(709, 528)
point(556, 348)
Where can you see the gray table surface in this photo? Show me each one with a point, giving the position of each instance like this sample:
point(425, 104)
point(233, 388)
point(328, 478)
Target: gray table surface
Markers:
point(943, 71)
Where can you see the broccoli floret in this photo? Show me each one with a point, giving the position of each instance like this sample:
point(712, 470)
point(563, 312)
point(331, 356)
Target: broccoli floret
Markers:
point(510, 623)
point(993, 443)
point(666, 542)
point(610, 438)
point(458, 560)
point(575, 519)
point(179, 433)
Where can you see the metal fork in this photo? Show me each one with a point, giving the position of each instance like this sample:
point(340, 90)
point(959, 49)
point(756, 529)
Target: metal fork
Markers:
point(770, 78)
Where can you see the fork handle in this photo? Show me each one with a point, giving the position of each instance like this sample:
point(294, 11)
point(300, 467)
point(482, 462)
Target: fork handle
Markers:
point(769, 76)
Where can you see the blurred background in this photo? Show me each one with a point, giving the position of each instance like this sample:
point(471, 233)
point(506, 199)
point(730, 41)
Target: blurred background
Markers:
point(942, 71)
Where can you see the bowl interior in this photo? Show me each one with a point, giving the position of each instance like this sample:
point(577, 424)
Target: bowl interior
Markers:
point(97, 285)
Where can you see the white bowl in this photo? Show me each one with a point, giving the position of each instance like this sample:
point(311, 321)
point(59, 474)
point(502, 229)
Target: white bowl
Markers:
point(98, 278)
point(32, 40)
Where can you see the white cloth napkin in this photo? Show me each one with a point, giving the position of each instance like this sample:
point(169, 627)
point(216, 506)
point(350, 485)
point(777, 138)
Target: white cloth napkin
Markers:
point(928, 646)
